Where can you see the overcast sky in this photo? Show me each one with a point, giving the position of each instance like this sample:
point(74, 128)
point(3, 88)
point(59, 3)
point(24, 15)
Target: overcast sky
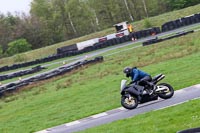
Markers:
point(15, 5)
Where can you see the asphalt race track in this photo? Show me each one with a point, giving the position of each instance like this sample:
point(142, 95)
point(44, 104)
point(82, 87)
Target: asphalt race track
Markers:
point(180, 96)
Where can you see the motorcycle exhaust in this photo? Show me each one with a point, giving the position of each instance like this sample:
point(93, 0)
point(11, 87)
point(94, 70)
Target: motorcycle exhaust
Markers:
point(161, 77)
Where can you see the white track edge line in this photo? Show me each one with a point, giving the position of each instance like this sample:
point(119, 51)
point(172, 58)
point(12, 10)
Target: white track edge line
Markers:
point(99, 115)
point(121, 108)
point(72, 123)
point(43, 131)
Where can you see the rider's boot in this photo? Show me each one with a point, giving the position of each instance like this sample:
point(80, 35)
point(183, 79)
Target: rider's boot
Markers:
point(151, 88)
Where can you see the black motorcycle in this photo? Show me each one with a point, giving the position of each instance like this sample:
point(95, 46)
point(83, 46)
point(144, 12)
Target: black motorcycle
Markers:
point(133, 94)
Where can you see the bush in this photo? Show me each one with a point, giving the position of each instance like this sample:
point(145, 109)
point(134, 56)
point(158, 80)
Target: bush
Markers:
point(18, 46)
point(179, 4)
point(147, 23)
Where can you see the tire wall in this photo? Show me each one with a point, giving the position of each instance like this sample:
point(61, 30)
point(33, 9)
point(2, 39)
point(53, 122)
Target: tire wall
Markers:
point(184, 21)
point(11, 87)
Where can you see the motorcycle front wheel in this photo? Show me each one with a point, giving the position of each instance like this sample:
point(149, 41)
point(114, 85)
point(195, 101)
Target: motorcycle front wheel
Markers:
point(130, 102)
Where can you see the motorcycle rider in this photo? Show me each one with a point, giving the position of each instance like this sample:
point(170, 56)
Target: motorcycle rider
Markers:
point(139, 77)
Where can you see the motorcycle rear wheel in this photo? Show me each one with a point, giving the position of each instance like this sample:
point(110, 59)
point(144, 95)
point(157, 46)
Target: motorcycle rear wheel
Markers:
point(129, 103)
point(167, 94)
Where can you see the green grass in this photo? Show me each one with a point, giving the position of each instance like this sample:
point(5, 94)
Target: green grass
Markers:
point(138, 25)
point(79, 94)
point(168, 120)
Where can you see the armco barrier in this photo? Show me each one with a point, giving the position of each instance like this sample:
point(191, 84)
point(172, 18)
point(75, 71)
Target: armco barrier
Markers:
point(11, 87)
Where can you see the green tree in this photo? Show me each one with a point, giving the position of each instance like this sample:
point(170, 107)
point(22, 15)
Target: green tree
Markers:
point(179, 4)
point(18, 46)
point(147, 23)
point(1, 51)
point(81, 17)
point(7, 26)
point(63, 17)
point(47, 15)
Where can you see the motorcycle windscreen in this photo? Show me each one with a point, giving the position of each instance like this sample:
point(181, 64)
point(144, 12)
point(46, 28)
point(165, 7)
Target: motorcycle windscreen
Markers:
point(123, 84)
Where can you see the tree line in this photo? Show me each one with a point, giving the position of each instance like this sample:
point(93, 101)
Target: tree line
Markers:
point(53, 21)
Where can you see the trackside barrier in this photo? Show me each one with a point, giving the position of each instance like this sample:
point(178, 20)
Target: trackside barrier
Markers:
point(135, 35)
point(156, 40)
point(105, 42)
point(188, 20)
point(21, 73)
point(64, 49)
point(11, 87)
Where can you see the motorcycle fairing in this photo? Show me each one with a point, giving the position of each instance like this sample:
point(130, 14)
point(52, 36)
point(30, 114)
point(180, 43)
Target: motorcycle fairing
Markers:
point(136, 89)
